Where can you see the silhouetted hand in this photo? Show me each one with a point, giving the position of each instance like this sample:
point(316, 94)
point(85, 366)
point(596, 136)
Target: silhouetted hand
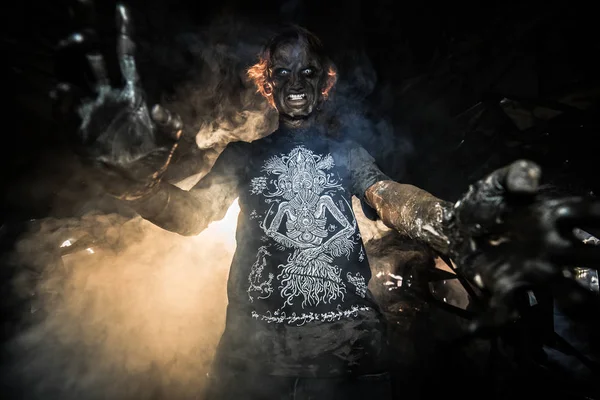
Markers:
point(128, 145)
point(510, 239)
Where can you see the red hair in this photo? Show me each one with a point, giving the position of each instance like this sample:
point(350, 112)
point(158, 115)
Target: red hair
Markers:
point(259, 72)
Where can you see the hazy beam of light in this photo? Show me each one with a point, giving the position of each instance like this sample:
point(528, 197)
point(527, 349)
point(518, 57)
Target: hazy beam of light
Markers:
point(139, 323)
point(142, 322)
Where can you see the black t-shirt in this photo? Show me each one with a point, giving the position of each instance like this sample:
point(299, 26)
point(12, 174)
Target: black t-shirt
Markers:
point(298, 298)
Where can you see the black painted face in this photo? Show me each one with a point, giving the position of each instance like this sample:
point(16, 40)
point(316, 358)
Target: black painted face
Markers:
point(296, 78)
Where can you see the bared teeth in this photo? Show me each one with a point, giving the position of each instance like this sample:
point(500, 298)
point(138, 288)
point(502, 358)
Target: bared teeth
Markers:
point(298, 96)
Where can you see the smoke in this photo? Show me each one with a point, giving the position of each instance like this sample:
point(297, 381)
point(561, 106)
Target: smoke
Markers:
point(217, 102)
point(359, 109)
point(137, 312)
point(221, 104)
point(128, 311)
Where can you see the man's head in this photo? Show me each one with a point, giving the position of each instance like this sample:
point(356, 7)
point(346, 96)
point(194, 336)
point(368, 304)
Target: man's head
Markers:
point(294, 74)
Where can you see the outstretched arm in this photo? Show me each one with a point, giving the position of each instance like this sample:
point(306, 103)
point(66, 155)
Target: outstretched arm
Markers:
point(180, 211)
point(127, 145)
point(443, 225)
point(407, 209)
point(413, 212)
point(189, 212)
point(502, 235)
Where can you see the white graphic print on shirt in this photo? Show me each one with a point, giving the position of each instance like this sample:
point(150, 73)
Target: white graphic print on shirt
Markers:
point(259, 287)
point(359, 282)
point(299, 189)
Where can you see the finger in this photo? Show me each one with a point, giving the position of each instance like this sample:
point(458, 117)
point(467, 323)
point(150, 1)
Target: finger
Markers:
point(487, 199)
point(65, 100)
point(509, 294)
point(577, 213)
point(573, 218)
point(61, 95)
point(98, 68)
point(126, 46)
point(169, 123)
point(523, 177)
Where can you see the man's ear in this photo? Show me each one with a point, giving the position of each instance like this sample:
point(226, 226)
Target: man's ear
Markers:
point(267, 89)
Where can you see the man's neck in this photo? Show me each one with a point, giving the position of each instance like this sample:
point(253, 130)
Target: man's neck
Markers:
point(296, 124)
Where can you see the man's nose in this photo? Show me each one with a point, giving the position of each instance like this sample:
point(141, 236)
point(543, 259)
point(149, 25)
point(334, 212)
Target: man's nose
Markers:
point(295, 82)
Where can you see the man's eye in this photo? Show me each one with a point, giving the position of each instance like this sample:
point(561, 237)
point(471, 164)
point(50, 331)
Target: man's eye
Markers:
point(282, 72)
point(308, 71)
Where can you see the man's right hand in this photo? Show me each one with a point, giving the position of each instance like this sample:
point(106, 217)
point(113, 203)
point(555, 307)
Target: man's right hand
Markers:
point(128, 145)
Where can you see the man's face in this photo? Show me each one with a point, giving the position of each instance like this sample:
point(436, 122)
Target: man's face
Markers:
point(295, 74)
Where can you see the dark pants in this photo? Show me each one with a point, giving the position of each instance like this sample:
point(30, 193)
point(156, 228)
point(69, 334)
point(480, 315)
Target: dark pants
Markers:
point(250, 386)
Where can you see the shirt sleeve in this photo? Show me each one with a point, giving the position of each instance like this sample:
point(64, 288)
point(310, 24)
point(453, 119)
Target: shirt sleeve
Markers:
point(363, 173)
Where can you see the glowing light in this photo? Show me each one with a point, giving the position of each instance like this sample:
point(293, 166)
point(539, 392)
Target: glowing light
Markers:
point(66, 243)
point(223, 231)
point(158, 304)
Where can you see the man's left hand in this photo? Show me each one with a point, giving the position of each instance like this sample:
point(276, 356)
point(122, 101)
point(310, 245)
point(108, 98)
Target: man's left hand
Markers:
point(508, 238)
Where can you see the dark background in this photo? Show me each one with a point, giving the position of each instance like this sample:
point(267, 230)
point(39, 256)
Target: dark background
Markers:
point(467, 88)
point(441, 94)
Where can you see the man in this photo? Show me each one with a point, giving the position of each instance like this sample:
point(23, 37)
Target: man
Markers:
point(300, 318)
point(301, 322)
